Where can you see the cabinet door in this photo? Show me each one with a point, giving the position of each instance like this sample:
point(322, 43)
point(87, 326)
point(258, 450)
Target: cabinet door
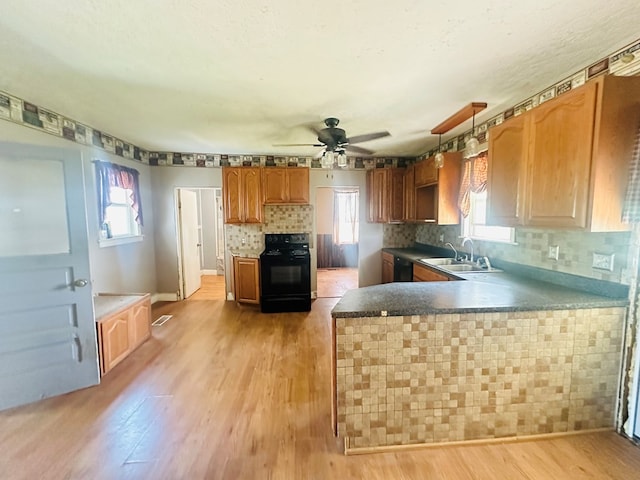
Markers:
point(377, 195)
point(274, 185)
point(252, 195)
point(426, 172)
point(140, 323)
point(506, 184)
point(115, 345)
point(395, 194)
point(424, 274)
point(387, 267)
point(247, 280)
point(298, 185)
point(409, 194)
point(231, 198)
point(560, 160)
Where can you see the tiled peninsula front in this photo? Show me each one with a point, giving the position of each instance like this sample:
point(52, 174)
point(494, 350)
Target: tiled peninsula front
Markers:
point(464, 372)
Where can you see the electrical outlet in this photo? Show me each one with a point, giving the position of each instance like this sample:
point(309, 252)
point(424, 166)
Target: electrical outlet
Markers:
point(554, 251)
point(442, 237)
point(603, 261)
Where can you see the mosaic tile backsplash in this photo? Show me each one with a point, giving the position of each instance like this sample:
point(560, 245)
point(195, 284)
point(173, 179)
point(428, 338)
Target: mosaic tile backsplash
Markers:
point(446, 378)
point(575, 249)
point(277, 219)
point(398, 235)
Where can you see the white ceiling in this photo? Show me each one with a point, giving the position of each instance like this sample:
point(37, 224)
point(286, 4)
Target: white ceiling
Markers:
point(237, 76)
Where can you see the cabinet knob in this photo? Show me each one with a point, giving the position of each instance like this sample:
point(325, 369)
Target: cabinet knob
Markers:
point(81, 282)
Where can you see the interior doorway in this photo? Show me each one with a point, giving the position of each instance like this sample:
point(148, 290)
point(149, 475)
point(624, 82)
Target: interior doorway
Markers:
point(337, 238)
point(200, 242)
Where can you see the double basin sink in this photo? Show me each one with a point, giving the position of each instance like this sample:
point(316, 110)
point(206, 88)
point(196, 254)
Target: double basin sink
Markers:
point(458, 266)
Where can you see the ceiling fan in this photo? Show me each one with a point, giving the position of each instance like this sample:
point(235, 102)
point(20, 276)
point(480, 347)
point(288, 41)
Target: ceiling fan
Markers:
point(335, 140)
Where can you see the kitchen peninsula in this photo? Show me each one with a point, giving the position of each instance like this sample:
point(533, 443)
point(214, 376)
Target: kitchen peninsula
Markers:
point(495, 355)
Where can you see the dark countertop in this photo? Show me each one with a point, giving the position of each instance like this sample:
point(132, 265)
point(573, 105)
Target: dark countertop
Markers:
point(475, 292)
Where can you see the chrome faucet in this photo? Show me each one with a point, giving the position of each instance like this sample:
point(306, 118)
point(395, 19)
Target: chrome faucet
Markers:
point(455, 252)
point(465, 240)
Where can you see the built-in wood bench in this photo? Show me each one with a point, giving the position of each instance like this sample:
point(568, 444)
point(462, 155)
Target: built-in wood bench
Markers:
point(123, 322)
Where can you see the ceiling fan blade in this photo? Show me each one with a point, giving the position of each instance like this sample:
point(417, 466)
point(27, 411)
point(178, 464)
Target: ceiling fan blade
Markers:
point(298, 145)
point(319, 154)
point(367, 137)
point(353, 149)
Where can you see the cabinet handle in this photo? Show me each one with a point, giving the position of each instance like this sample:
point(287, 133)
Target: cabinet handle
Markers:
point(81, 282)
point(76, 348)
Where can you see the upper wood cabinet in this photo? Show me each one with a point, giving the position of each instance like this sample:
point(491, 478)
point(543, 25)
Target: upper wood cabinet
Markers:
point(426, 172)
point(285, 185)
point(565, 163)
point(242, 194)
point(409, 188)
point(385, 195)
point(438, 202)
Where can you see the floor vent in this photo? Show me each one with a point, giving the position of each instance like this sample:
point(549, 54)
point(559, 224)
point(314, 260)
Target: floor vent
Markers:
point(162, 320)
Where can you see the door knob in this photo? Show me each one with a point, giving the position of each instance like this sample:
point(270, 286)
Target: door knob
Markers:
point(81, 282)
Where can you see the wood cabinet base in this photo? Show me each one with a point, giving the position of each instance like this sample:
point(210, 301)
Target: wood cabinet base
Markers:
point(123, 323)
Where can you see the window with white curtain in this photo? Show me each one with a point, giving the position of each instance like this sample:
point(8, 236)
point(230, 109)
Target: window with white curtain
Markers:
point(345, 223)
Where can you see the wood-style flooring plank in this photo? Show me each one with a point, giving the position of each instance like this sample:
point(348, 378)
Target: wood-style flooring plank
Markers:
point(226, 392)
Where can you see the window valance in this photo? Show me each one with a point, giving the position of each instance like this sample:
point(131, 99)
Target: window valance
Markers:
point(113, 175)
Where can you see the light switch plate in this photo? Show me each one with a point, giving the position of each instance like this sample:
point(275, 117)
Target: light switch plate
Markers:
point(554, 251)
point(603, 261)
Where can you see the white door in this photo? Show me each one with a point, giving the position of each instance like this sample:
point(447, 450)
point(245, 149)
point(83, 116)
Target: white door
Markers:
point(47, 326)
point(189, 241)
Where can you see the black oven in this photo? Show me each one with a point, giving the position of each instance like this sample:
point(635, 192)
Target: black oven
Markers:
point(285, 273)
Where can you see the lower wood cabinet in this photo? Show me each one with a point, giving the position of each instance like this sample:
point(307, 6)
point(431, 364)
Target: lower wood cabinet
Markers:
point(387, 267)
point(425, 274)
point(246, 274)
point(123, 323)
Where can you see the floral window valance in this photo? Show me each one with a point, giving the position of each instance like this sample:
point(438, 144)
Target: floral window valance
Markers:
point(110, 175)
point(474, 179)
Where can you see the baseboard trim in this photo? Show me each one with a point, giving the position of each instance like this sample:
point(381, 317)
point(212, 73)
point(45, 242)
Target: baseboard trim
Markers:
point(209, 272)
point(164, 297)
point(348, 450)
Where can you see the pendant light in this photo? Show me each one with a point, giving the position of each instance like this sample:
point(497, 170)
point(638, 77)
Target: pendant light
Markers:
point(472, 147)
point(439, 158)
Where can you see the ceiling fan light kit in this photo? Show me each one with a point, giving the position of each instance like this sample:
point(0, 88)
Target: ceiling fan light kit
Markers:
point(337, 144)
point(439, 158)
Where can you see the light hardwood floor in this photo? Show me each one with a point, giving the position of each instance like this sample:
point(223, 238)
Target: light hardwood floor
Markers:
point(334, 282)
point(225, 392)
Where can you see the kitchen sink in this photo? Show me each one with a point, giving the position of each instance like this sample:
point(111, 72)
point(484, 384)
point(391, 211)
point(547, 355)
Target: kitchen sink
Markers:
point(452, 265)
point(440, 261)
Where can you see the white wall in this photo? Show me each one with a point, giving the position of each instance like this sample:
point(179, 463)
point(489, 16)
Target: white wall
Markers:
point(164, 181)
point(369, 260)
point(122, 268)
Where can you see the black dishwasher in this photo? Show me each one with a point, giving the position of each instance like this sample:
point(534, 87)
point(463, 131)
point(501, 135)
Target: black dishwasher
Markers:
point(402, 269)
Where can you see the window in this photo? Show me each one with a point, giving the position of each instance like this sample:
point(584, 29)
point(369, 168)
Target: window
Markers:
point(119, 218)
point(119, 203)
point(472, 202)
point(474, 224)
point(345, 217)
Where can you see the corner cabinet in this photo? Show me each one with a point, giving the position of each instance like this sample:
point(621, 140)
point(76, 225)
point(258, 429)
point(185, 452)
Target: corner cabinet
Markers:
point(385, 195)
point(436, 190)
point(246, 275)
point(565, 163)
point(242, 194)
point(285, 186)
